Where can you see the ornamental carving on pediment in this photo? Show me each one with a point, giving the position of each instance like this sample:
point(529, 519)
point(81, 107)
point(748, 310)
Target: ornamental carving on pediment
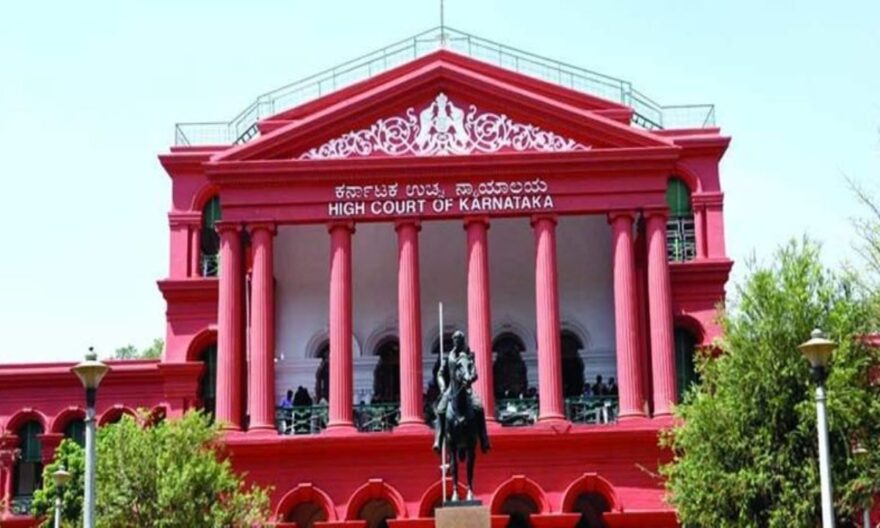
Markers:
point(439, 129)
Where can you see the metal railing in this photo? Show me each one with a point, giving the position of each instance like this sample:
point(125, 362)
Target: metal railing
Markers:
point(519, 412)
point(21, 505)
point(241, 128)
point(312, 419)
point(210, 265)
point(681, 239)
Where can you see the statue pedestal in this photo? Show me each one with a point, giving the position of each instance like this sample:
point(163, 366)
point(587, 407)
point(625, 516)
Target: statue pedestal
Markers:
point(462, 514)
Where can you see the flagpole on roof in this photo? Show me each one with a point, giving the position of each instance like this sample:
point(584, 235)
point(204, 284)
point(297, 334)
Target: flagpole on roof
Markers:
point(442, 26)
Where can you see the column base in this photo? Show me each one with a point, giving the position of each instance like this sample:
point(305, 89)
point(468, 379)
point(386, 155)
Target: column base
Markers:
point(556, 423)
point(631, 416)
point(264, 430)
point(414, 426)
point(340, 429)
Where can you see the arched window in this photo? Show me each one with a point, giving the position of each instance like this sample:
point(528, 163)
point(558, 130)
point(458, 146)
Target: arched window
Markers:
point(208, 383)
point(76, 431)
point(572, 364)
point(591, 506)
point(520, 508)
point(680, 236)
point(685, 368)
point(509, 370)
point(322, 375)
point(377, 512)
point(306, 514)
point(29, 469)
point(386, 376)
point(210, 240)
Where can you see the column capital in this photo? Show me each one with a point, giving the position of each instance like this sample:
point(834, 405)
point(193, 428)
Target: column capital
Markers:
point(225, 226)
point(340, 224)
point(403, 222)
point(656, 212)
point(479, 219)
point(262, 225)
point(541, 217)
point(628, 214)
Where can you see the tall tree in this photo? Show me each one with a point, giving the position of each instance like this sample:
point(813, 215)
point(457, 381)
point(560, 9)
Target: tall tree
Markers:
point(170, 474)
point(745, 447)
point(154, 351)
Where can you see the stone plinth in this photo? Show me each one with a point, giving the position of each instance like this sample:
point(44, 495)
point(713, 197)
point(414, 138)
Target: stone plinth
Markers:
point(462, 516)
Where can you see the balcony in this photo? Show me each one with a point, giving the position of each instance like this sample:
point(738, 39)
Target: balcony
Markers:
point(513, 412)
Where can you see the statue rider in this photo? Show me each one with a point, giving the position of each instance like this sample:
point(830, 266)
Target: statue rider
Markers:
point(443, 378)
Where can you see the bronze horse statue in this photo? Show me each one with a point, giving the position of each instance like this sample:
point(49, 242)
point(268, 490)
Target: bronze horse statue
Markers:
point(463, 420)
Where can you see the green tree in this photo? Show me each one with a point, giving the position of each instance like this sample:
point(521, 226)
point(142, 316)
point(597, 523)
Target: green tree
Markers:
point(745, 450)
point(171, 474)
point(154, 351)
point(72, 457)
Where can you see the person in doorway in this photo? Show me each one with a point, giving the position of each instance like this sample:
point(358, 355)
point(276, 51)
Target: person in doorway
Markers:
point(599, 388)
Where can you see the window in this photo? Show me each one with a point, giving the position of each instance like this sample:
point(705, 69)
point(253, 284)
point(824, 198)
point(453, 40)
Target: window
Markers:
point(29, 470)
point(210, 240)
point(208, 383)
point(591, 506)
point(306, 514)
point(685, 369)
point(520, 508)
point(76, 431)
point(377, 512)
point(680, 235)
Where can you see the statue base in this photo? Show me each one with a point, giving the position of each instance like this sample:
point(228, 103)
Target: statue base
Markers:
point(462, 514)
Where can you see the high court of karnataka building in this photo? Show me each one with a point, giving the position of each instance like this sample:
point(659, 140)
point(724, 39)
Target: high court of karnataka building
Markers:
point(571, 226)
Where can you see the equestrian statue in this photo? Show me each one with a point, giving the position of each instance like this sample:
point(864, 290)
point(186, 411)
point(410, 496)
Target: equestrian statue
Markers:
point(461, 418)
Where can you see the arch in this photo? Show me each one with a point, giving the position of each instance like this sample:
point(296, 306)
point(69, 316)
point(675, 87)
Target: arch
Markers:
point(26, 415)
point(384, 332)
point(519, 485)
point(322, 337)
point(303, 493)
point(66, 416)
point(573, 373)
point(386, 374)
point(590, 483)
point(433, 495)
point(511, 326)
point(114, 414)
point(374, 489)
point(692, 325)
point(201, 197)
point(569, 324)
point(204, 338)
point(157, 415)
point(689, 177)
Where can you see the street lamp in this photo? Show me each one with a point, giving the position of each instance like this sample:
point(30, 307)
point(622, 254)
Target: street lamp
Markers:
point(61, 476)
point(90, 372)
point(859, 452)
point(818, 351)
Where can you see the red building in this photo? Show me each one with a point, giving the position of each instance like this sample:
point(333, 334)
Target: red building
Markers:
point(570, 225)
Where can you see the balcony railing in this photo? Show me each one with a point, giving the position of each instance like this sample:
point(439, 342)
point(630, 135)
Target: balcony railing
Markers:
point(514, 412)
point(242, 128)
point(21, 505)
point(313, 419)
point(681, 240)
point(210, 265)
point(518, 412)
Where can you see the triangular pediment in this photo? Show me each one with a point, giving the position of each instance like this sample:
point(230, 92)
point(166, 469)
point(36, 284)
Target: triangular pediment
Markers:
point(444, 105)
point(442, 127)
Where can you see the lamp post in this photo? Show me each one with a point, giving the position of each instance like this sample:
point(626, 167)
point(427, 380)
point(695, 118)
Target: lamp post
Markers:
point(818, 351)
point(61, 476)
point(859, 452)
point(90, 372)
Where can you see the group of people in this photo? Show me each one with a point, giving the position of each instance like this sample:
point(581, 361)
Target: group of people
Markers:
point(301, 398)
point(600, 388)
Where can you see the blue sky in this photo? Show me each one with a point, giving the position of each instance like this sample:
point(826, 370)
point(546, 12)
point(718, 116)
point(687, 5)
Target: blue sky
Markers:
point(89, 94)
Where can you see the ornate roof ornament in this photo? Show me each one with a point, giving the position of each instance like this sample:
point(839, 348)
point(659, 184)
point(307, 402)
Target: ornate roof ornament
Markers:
point(441, 129)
